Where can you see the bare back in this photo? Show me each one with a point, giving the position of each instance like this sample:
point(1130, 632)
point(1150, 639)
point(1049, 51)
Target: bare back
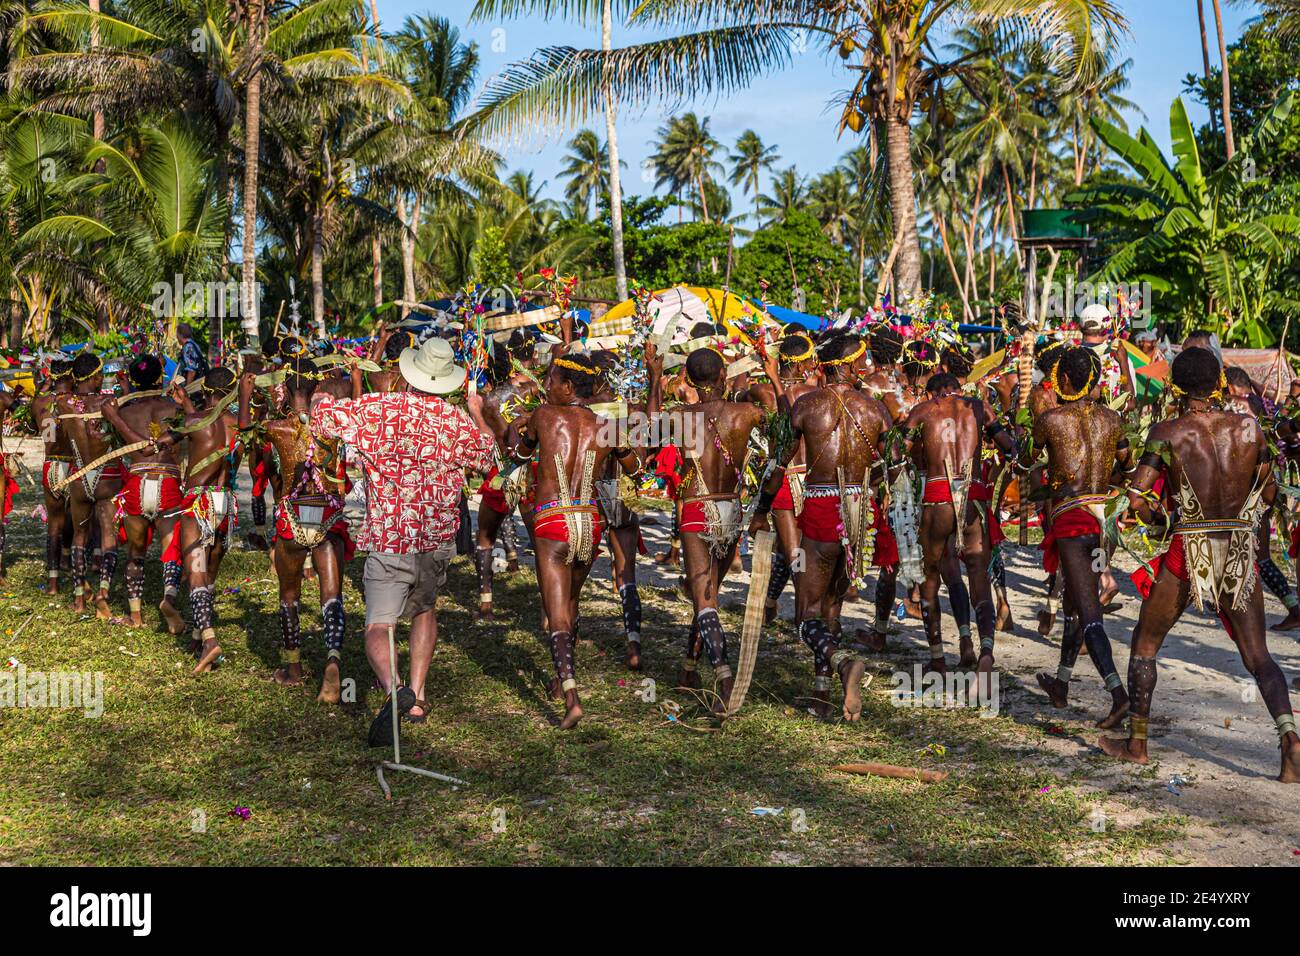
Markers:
point(1218, 453)
point(1082, 440)
point(840, 427)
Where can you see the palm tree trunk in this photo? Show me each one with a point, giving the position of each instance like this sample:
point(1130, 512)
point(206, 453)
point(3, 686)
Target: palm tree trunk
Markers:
point(97, 123)
point(902, 204)
point(318, 273)
point(406, 243)
point(1227, 84)
point(611, 138)
point(377, 267)
point(1205, 60)
point(252, 144)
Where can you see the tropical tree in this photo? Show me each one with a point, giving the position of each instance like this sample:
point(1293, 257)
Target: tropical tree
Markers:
point(684, 158)
point(889, 44)
point(749, 161)
point(789, 191)
point(586, 12)
point(586, 169)
point(1207, 243)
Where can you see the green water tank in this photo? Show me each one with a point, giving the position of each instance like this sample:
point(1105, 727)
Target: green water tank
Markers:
point(1051, 224)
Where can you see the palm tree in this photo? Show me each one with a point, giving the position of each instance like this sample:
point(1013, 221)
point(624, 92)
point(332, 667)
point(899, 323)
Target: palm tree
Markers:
point(1229, 145)
point(586, 167)
point(730, 43)
point(788, 194)
point(1205, 58)
point(685, 158)
point(585, 12)
point(748, 162)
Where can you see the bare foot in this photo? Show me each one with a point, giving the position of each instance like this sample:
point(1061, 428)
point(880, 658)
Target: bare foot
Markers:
point(1290, 772)
point(1046, 622)
point(512, 566)
point(288, 676)
point(821, 705)
point(632, 655)
point(1003, 624)
point(572, 711)
point(984, 679)
point(171, 617)
point(553, 689)
point(669, 558)
point(851, 675)
point(851, 594)
point(737, 566)
point(53, 586)
point(135, 619)
point(1288, 623)
point(688, 680)
point(208, 656)
point(724, 693)
point(484, 614)
point(872, 639)
point(769, 612)
point(912, 608)
point(1118, 710)
point(936, 664)
point(79, 604)
point(1057, 690)
point(257, 542)
point(967, 652)
point(330, 685)
point(1108, 595)
point(1134, 751)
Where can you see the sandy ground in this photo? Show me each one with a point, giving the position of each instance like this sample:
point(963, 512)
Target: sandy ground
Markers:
point(1208, 726)
point(1213, 746)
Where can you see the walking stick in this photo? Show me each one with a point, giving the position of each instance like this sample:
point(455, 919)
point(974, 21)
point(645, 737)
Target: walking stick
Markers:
point(396, 762)
point(1026, 377)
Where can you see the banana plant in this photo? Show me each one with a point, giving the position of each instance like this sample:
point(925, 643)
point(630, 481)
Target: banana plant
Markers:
point(1211, 245)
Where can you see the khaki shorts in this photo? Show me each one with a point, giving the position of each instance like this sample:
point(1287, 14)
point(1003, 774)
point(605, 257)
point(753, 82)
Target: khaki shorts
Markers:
point(400, 586)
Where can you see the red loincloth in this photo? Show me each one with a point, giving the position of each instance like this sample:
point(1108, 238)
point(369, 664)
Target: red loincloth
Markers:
point(937, 491)
point(1075, 523)
point(549, 524)
point(820, 521)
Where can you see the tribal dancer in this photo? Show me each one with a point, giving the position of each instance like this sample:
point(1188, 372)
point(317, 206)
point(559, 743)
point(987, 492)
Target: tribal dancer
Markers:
point(843, 528)
point(798, 376)
point(613, 492)
point(1085, 443)
point(58, 464)
point(8, 484)
point(713, 434)
point(1218, 467)
point(512, 392)
point(949, 430)
point(148, 501)
point(207, 512)
point(91, 496)
point(566, 530)
point(309, 485)
point(1243, 400)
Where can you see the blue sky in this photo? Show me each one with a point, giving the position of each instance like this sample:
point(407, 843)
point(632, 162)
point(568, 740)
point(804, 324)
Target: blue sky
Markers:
point(789, 108)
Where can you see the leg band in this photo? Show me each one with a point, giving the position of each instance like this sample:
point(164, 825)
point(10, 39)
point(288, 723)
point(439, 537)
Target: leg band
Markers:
point(107, 568)
point(780, 576)
point(290, 628)
point(171, 573)
point(201, 608)
point(1285, 724)
point(135, 580)
point(710, 630)
point(562, 658)
point(334, 623)
point(1137, 727)
point(631, 601)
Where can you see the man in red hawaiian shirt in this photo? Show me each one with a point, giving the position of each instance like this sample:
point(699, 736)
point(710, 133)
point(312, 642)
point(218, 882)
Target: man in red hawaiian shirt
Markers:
point(414, 447)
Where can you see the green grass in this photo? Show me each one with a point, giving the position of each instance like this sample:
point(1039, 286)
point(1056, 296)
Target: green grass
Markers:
point(626, 787)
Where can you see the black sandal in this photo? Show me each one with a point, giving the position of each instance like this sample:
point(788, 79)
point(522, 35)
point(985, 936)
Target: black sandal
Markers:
point(381, 728)
point(424, 706)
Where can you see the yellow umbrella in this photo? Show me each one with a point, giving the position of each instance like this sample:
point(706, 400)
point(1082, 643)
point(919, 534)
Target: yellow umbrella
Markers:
point(696, 302)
